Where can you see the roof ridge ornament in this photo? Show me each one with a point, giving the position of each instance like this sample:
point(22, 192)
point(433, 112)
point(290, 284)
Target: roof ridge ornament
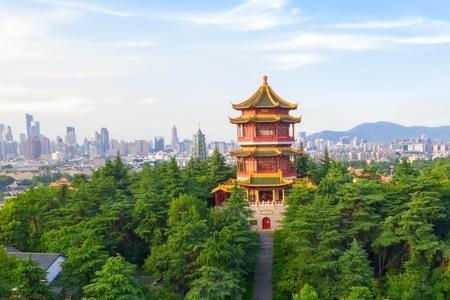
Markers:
point(264, 79)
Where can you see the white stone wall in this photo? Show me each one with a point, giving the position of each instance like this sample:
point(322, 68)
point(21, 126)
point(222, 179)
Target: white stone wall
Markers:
point(272, 211)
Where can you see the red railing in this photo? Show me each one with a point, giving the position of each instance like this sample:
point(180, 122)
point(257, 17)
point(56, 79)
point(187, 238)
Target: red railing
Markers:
point(286, 173)
point(266, 139)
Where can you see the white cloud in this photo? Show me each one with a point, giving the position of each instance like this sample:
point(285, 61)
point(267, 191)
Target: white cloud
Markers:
point(63, 106)
point(424, 40)
point(15, 90)
point(404, 22)
point(250, 15)
point(355, 42)
point(298, 60)
point(87, 6)
point(334, 41)
point(130, 44)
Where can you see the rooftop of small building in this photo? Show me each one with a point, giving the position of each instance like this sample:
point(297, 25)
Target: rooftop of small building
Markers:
point(45, 260)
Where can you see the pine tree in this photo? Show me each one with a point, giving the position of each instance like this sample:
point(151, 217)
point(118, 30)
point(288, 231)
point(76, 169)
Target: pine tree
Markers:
point(306, 293)
point(416, 227)
point(8, 276)
point(215, 283)
point(354, 269)
point(358, 293)
point(302, 164)
point(82, 263)
point(116, 280)
point(314, 242)
point(32, 281)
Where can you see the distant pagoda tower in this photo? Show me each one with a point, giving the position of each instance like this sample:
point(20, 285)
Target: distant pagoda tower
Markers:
point(199, 151)
point(265, 160)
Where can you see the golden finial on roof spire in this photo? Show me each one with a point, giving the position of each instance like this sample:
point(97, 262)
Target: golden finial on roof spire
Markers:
point(264, 79)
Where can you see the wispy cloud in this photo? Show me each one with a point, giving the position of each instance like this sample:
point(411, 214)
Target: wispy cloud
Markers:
point(130, 44)
point(355, 42)
point(404, 22)
point(88, 7)
point(7, 89)
point(334, 41)
point(248, 16)
point(71, 105)
point(298, 60)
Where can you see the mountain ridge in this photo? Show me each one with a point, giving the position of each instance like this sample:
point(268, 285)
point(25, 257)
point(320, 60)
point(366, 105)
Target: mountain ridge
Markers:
point(384, 131)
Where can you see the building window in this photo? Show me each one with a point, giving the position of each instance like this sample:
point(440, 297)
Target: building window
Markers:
point(248, 131)
point(283, 130)
point(265, 130)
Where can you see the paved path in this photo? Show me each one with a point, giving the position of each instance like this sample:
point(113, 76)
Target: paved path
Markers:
point(263, 274)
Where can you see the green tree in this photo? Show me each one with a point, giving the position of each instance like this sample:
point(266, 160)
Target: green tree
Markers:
point(354, 269)
point(306, 293)
point(358, 293)
point(302, 164)
point(416, 227)
point(8, 273)
point(82, 263)
point(116, 280)
point(215, 283)
point(32, 281)
point(313, 240)
point(174, 260)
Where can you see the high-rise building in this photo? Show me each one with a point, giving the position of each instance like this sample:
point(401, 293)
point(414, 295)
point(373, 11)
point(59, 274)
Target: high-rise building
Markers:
point(23, 144)
point(174, 138)
point(101, 143)
point(158, 144)
point(71, 137)
point(9, 136)
point(104, 138)
point(28, 121)
point(9, 145)
point(199, 151)
point(45, 145)
point(2, 132)
point(71, 142)
point(33, 137)
point(265, 168)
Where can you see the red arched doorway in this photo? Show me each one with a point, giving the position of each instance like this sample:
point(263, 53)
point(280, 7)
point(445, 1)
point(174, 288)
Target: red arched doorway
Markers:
point(265, 223)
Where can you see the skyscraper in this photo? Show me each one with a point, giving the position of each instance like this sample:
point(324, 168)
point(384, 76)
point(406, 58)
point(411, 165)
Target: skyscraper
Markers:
point(104, 138)
point(23, 144)
point(71, 141)
point(28, 120)
point(9, 135)
point(174, 140)
point(199, 146)
point(158, 143)
point(33, 137)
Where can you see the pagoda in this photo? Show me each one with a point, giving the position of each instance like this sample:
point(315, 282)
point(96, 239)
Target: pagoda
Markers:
point(265, 160)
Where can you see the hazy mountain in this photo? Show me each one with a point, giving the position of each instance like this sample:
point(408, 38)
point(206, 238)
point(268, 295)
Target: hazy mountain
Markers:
point(385, 132)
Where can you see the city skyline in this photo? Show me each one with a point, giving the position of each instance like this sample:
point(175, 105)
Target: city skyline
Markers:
point(92, 64)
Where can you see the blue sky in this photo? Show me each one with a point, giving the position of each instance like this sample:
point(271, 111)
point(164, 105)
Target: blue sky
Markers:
point(137, 67)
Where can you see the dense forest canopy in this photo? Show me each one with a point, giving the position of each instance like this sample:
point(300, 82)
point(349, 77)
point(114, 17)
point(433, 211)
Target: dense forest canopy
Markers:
point(157, 234)
point(152, 231)
point(362, 239)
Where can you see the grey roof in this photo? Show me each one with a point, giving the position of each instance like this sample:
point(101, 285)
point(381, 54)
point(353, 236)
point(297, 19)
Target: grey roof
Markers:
point(45, 260)
point(11, 249)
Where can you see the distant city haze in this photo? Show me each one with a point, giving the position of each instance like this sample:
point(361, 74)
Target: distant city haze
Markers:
point(138, 67)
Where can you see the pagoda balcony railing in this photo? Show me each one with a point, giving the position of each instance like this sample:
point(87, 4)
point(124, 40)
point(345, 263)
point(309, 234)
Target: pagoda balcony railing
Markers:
point(266, 139)
point(286, 173)
point(243, 173)
point(265, 203)
point(290, 173)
